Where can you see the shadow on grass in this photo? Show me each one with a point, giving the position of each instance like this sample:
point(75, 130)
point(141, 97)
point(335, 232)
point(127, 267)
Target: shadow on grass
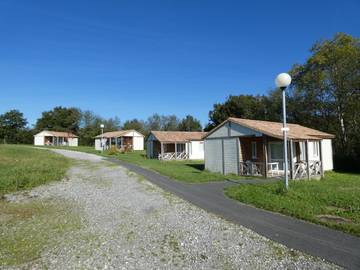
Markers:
point(199, 167)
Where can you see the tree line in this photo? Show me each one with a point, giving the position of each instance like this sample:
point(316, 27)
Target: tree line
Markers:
point(86, 124)
point(324, 94)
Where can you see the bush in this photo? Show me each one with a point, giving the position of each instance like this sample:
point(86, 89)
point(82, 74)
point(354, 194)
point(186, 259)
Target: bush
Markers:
point(112, 151)
point(347, 163)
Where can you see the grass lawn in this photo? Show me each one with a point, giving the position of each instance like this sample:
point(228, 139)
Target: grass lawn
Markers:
point(190, 171)
point(23, 167)
point(29, 228)
point(333, 201)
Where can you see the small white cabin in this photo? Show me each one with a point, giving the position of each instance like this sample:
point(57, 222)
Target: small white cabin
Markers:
point(167, 145)
point(253, 147)
point(55, 138)
point(121, 139)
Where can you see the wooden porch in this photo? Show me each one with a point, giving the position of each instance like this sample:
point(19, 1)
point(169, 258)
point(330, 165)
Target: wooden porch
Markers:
point(121, 143)
point(173, 151)
point(56, 141)
point(260, 156)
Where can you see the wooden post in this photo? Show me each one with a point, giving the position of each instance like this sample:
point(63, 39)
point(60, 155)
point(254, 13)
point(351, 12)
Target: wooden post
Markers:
point(222, 156)
point(307, 159)
point(188, 149)
point(321, 159)
point(150, 149)
point(291, 160)
point(238, 155)
point(116, 144)
point(265, 155)
point(162, 149)
point(175, 150)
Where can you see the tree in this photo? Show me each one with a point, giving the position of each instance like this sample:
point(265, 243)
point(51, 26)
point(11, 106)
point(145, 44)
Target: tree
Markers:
point(25, 136)
point(170, 123)
point(13, 127)
point(189, 123)
point(60, 119)
point(112, 123)
point(154, 122)
point(90, 126)
point(243, 106)
point(135, 124)
point(326, 91)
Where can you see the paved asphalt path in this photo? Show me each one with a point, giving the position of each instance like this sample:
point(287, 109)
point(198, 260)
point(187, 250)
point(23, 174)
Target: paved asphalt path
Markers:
point(331, 245)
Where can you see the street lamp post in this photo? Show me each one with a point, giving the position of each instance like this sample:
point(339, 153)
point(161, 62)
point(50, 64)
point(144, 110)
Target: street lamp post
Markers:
point(282, 81)
point(102, 137)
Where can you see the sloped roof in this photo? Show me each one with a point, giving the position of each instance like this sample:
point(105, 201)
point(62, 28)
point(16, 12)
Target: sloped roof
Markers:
point(178, 136)
point(59, 134)
point(273, 129)
point(118, 133)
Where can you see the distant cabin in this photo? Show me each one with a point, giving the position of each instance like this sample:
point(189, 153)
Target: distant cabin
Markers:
point(55, 138)
point(253, 147)
point(167, 145)
point(121, 139)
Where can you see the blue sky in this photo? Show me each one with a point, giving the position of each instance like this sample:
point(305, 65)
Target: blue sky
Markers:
point(133, 58)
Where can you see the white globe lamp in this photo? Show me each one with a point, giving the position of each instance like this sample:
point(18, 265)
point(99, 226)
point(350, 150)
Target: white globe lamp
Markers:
point(283, 80)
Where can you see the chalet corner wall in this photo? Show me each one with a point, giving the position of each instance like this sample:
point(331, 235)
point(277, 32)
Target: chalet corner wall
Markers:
point(222, 155)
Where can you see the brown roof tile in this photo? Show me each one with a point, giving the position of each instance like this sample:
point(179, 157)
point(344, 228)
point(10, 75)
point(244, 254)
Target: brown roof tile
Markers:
point(113, 134)
point(178, 136)
point(62, 134)
point(273, 129)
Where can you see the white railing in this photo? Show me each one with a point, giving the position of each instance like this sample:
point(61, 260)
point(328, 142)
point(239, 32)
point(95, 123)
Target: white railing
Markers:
point(173, 155)
point(251, 168)
point(300, 169)
point(257, 169)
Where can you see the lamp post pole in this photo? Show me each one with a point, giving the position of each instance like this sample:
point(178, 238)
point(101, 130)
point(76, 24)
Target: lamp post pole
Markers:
point(102, 137)
point(285, 130)
point(282, 81)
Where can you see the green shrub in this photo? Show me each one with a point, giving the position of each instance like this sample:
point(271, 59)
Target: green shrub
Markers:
point(112, 151)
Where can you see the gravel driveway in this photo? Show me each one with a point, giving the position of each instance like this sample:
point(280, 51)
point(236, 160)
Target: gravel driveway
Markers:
point(128, 223)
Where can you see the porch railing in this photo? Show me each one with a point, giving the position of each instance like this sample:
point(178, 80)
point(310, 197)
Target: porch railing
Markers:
point(273, 169)
point(257, 169)
point(251, 168)
point(300, 169)
point(173, 155)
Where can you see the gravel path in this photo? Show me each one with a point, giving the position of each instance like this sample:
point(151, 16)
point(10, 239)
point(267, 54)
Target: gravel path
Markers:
point(128, 223)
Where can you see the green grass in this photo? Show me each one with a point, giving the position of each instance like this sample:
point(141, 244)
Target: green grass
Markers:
point(23, 167)
point(337, 195)
point(27, 229)
point(190, 171)
point(80, 148)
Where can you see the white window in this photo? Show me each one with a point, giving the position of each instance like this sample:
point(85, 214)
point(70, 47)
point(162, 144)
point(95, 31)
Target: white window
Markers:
point(180, 147)
point(315, 149)
point(302, 149)
point(253, 150)
point(276, 151)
